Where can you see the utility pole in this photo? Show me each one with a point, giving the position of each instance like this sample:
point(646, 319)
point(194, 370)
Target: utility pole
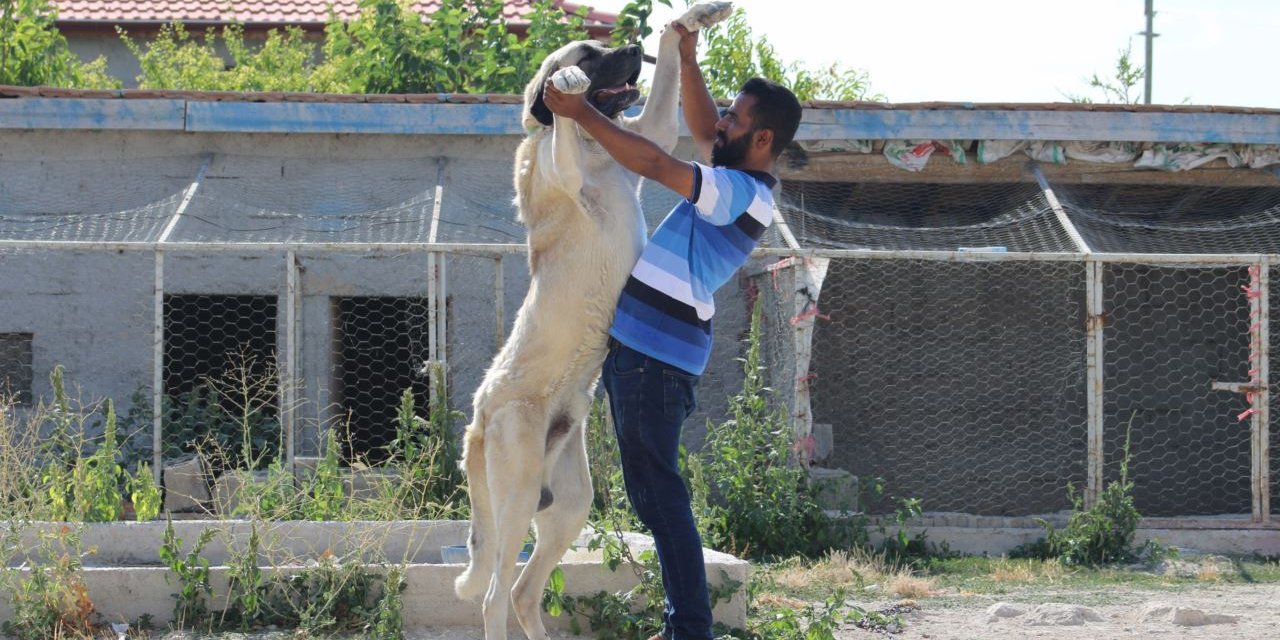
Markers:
point(1150, 35)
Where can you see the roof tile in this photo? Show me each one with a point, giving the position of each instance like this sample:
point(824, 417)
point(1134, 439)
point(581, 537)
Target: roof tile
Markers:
point(265, 11)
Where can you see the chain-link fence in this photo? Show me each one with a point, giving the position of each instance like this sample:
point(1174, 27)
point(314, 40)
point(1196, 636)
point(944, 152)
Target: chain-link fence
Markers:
point(978, 346)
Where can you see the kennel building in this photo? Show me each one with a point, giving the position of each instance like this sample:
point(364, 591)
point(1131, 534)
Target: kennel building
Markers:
point(978, 305)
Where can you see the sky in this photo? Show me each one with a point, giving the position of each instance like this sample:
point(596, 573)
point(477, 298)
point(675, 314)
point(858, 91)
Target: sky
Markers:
point(1219, 52)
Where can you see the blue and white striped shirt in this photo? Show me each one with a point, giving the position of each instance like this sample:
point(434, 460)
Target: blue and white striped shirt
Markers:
point(666, 306)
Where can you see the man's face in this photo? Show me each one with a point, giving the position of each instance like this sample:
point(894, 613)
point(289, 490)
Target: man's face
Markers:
point(734, 133)
point(730, 152)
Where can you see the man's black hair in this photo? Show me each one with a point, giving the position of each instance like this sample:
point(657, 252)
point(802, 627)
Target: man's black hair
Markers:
point(776, 109)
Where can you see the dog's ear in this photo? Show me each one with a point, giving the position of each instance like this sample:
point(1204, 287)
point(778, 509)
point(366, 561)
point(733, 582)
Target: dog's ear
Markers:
point(538, 108)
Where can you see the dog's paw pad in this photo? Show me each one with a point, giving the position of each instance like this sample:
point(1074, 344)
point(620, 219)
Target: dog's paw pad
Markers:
point(570, 80)
point(705, 14)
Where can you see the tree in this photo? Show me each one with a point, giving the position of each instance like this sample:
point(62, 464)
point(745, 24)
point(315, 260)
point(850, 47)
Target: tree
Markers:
point(1119, 89)
point(633, 22)
point(733, 55)
point(34, 53)
point(466, 47)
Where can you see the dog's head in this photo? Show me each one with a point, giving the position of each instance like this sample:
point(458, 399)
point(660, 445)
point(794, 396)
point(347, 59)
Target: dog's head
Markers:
point(613, 74)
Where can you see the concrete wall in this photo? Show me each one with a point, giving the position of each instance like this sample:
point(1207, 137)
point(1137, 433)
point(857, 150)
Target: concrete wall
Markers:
point(93, 312)
point(121, 62)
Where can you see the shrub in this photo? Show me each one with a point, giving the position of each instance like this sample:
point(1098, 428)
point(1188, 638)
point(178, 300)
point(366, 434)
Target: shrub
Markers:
point(1100, 534)
point(33, 52)
point(751, 497)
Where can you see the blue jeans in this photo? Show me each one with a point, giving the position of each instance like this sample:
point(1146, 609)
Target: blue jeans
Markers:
point(650, 400)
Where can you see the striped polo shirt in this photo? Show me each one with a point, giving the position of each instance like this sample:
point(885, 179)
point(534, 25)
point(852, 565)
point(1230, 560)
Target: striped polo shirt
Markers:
point(666, 306)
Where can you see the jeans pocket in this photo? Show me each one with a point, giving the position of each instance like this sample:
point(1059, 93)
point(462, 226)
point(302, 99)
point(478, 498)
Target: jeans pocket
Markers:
point(678, 394)
point(626, 360)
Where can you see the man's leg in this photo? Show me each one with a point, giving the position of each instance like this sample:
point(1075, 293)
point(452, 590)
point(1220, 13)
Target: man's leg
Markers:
point(649, 401)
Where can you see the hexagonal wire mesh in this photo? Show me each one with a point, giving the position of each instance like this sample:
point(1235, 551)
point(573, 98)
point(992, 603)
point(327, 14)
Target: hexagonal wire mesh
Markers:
point(92, 200)
point(961, 382)
point(922, 216)
point(220, 378)
point(1128, 218)
point(15, 367)
point(1171, 332)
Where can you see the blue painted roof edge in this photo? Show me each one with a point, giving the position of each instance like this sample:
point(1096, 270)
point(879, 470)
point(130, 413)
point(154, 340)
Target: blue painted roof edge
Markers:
point(504, 119)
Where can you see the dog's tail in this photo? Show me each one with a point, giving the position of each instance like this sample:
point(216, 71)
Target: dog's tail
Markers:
point(475, 580)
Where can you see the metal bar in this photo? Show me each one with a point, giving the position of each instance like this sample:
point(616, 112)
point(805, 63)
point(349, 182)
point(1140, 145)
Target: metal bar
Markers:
point(1198, 260)
point(499, 305)
point(1094, 358)
point(442, 317)
point(1260, 427)
point(186, 200)
point(289, 374)
point(434, 337)
point(480, 249)
point(438, 202)
point(783, 228)
point(431, 324)
point(157, 372)
point(1063, 220)
point(300, 247)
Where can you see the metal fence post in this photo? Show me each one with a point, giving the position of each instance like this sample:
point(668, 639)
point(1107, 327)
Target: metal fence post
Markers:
point(1094, 352)
point(1260, 330)
point(157, 372)
point(499, 305)
point(289, 372)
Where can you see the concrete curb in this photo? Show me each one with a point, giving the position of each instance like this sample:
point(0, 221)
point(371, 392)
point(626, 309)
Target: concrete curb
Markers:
point(125, 579)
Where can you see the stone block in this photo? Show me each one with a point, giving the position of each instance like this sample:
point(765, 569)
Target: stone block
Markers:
point(836, 489)
point(186, 485)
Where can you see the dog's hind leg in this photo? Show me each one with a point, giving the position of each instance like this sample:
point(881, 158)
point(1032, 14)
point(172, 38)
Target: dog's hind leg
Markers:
point(557, 527)
point(480, 543)
point(514, 441)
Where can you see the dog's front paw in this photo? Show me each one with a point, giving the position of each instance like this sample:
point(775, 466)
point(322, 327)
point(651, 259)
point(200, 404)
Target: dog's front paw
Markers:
point(570, 80)
point(705, 14)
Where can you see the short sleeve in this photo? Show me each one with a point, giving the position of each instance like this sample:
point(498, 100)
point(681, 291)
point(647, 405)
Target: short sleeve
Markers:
point(720, 195)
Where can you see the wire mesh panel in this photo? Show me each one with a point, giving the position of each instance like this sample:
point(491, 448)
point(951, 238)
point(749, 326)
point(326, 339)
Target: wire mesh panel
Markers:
point(1127, 218)
point(1171, 332)
point(273, 199)
point(220, 377)
point(922, 216)
point(1273, 298)
point(123, 200)
point(381, 351)
point(15, 367)
point(960, 383)
point(363, 334)
point(478, 203)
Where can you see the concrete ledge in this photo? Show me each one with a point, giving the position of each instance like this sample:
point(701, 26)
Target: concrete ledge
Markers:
point(125, 580)
point(995, 535)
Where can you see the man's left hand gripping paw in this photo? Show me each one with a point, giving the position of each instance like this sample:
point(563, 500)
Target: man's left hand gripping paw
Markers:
point(571, 80)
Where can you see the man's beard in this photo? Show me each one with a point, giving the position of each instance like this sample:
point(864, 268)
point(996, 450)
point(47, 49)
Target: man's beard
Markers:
point(730, 153)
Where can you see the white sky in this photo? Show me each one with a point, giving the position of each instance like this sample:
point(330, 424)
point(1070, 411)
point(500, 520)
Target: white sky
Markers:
point(1220, 52)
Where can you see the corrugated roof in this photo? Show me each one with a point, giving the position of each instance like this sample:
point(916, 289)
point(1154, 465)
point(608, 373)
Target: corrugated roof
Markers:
point(264, 11)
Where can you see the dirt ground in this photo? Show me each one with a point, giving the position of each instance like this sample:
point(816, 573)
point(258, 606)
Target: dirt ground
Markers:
point(965, 618)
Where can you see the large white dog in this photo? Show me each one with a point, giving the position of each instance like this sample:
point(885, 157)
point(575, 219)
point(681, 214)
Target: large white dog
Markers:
point(525, 454)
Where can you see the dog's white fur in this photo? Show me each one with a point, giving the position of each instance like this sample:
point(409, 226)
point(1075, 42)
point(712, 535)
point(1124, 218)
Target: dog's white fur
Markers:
point(526, 442)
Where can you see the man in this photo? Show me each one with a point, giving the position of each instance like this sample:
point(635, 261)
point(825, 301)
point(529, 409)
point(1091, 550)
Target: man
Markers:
point(661, 333)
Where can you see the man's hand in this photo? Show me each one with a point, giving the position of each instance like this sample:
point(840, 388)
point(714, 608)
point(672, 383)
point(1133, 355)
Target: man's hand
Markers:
point(688, 43)
point(565, 93)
